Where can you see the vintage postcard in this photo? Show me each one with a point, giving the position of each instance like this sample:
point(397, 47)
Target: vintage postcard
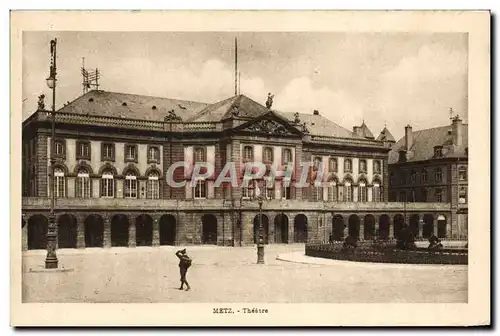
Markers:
point(250, 168)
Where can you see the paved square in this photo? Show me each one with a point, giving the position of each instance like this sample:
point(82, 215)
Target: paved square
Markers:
point(229, 274)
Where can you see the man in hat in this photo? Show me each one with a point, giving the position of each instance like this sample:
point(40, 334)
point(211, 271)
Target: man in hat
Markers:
point(184, 264)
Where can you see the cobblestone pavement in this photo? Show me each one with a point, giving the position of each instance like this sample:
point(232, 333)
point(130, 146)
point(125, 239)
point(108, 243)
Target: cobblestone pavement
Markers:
point(225, 274)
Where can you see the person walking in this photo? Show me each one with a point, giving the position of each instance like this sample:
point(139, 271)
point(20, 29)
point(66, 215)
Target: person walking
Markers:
point(184, 263)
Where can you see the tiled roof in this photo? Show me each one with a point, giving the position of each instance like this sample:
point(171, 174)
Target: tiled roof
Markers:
point(104, 103)
point(425, 140)
point(385, 135)
point(319, 125)
point(247, 108)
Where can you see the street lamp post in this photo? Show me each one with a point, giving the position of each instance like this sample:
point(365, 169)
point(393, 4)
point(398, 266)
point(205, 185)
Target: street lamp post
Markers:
point(51, 258)
point(260, 238)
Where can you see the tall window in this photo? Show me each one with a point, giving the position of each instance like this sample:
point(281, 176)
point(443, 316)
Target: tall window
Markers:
point(376, 192)
point(153, 154)
point(287, 155)
point(347, 165)
point(248, 153)
point(393, 178)
point(286, 191)
point(424, 194)
point(362, 166)
point(153, 186)
point(438, 174)
point(317, 163)
point(332, 165)
point(269, 192)
point(438, 151)
point(108, 151)
point(439, 195)
point(59, 148)
point(376, 166)
point(462, 173)
point(82, 184)
point(333, 192)
point(317, 192)
point(60, 183)
point(200, 190)
point(413, 177)
point(268, 155)
point(348, 191)
point(130, 152)
point(130, 185)
point(424, 176)
point(82, 150)
point(248, 191)
point(107, 185)
point(462, 195)
point(199, 155)
point(362, 191)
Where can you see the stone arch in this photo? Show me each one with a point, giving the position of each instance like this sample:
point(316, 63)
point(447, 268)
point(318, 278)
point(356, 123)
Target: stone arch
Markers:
point(300, 228)
point(399, 222)
point(333, 178)
point(62, 166)
point(66, 231)
point(338, 227)
point(209, 229)
point(153, 169)
point(441, 226)
point(265, 229)
point(131, 168)
point(94, 231)
point(377, 179)
point(362, 178)
point(415, 225)
point(83, 165)
point(384, 224)
point(168, 230)
point(281, 229)
point(369, 227)
point(428, 228)
point(144, 230)
point(119, 230)
point(37, 232)
point(354, 226)
point(107, 166)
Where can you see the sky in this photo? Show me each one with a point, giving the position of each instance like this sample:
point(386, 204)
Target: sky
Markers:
point(391, 79)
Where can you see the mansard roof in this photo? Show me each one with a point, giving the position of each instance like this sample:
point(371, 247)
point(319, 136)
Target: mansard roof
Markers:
point(319, 125)
point(425, 140)
point(131, 106)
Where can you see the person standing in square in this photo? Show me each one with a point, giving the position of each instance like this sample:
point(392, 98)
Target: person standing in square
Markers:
point(184, 264)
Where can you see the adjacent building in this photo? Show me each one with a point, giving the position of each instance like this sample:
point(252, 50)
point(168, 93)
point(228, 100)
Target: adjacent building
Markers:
point(431, 165)
point(113, 151)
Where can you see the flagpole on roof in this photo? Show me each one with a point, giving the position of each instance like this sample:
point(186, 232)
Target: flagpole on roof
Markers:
point(235, 66)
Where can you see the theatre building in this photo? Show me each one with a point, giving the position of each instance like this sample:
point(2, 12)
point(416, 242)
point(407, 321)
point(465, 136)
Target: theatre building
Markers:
point(430, 165)
point(113, 152)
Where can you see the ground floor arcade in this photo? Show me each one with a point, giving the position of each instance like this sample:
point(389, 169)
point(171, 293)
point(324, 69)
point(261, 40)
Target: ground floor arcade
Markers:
point(80, 229)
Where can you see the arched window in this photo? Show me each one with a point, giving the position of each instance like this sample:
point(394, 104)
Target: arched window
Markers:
point(153, 186)
point(362, 166)
point(347, 165)
point(287, 155)
point(332, 165)
point(317, 163)
point(362, 191)
point(107, 184)
point(82, 184)
point(60, 183)
point(333, 191)
point(439, 195)
point(268, 156)
point(130, 185)
point(348, 191)
point(376, 192)
point(317, 191)
point(248, 153)
point(376, 166)
point(153, 154)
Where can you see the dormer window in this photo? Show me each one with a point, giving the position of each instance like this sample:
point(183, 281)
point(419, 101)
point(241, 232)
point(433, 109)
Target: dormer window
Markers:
point(402, 156)
point(438, 151)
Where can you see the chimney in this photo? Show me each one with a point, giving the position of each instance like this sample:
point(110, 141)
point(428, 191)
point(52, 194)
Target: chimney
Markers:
point(316, 112)
point(408, 137)
point(457, 131)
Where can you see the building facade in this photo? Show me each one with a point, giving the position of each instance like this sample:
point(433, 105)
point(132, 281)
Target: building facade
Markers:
point(431, 165)
point(113, 152)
